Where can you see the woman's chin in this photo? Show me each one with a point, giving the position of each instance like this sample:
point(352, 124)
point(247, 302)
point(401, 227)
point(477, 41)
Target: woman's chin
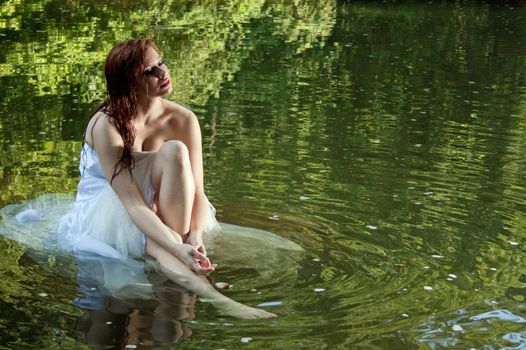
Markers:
point(167, 90)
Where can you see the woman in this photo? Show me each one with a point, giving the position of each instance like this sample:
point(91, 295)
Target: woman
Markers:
point(141, 190)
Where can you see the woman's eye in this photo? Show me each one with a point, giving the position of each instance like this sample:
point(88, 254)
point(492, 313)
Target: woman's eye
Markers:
point(148, 72)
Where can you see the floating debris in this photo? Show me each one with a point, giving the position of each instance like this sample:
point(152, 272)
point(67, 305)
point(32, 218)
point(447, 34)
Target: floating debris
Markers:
point(222, 285)
point(405, 315)
point(426, 267)
point(304, 198)
point(436, 256)
point(372, 227)
point(493, 269)
point(400, 263)
point(457, 328)
point(428, 193)
point(316, 259)
point(418, 145)
point(449, 279)
point(428, 288)
point(319, 290)
point(274, 217)
point(253, 290)
point(131, 346)
point(513, 243)
point(246, 340)
point(271, 304)
point(109, 322)
point(452, 275)
point(43, 295)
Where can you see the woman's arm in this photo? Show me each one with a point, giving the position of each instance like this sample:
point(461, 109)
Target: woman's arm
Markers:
point(109, 146)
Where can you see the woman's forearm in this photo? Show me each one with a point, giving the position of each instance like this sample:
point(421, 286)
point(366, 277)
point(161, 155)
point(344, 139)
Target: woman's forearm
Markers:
point(152, 226)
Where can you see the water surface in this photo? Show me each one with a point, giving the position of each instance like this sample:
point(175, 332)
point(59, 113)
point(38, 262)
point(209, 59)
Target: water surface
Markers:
point(387, 139)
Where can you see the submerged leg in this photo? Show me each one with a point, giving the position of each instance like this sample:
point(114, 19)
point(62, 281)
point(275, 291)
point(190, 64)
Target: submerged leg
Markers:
point(174, 185)
point(179, 273)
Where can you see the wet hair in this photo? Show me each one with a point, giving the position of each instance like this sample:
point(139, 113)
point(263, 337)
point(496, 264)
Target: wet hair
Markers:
point(123, 69)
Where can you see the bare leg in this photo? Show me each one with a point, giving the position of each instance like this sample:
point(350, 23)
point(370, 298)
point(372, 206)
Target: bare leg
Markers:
point(179, 273)
point(174, 185)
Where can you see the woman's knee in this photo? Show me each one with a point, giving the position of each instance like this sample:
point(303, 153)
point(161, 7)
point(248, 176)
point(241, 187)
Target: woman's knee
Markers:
point(175, 151)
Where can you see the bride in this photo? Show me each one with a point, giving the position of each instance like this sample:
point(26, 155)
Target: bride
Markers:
point(141, 189)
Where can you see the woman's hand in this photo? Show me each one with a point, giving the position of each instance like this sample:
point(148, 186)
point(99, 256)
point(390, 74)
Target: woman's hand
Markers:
point(195, 239)
point(195, 260)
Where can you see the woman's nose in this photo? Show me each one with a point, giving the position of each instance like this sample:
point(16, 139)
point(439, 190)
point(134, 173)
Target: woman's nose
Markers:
point(159, 72)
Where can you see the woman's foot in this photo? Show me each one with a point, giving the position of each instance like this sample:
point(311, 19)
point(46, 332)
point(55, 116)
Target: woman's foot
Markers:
point(243, 312)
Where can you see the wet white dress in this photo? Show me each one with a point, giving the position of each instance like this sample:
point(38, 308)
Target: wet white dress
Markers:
point(99, 222)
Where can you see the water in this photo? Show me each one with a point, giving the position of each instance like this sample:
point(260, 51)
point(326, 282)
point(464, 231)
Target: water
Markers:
point(386, 139)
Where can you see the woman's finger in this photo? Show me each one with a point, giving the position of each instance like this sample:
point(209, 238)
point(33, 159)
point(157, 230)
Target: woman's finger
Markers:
point(197, 254)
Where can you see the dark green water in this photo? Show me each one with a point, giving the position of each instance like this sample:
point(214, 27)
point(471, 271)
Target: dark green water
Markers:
point(387, 139)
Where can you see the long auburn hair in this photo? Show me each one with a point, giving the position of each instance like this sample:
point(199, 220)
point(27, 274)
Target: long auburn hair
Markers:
point(123, 69)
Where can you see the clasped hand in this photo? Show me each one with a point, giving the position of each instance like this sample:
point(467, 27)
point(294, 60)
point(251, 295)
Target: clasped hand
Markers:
point(193, 254)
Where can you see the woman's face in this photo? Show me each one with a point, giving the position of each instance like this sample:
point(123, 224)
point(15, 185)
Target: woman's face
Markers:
point(155, 75)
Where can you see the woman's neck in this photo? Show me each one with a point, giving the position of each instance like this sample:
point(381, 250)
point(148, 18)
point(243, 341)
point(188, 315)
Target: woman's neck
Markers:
point(147, 107)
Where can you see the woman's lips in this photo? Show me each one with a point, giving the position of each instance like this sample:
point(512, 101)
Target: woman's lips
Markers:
point(165, 84)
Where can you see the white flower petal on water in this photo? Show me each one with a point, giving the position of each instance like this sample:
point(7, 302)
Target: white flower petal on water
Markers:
point(428, 288)
point(304, 198)
point(222, 285)
point(513, 243)
point(109, 322)
point(405, 315)
point(493, 269)
point(43, 295)
point(271, 303)
point(457, 328)
point(319, 290)
point(371, 227)
point(437, 256)
point(316, 259)
point(246, 340)
point(131, 346)
point(452, 275)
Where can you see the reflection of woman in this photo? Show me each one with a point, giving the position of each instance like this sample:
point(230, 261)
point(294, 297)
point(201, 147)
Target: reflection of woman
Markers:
point(141, 189)
point(115, 322)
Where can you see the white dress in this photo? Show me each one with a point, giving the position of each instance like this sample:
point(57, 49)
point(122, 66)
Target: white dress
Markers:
point(99, 222)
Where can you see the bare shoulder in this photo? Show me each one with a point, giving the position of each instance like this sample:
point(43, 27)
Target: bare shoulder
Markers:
point(101, 130)
point(180, 116)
